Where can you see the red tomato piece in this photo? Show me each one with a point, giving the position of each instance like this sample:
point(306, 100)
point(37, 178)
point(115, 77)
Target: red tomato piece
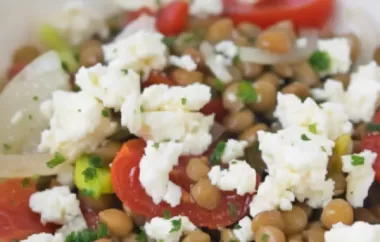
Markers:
point(125, 180)
point(15, 69)
point(303, 13)
point(130, 16)
point(172, 19)
point(376, 117)
point(216, 107)
point(91, 217)
point(372, 142)
point(156, 77)
point(17, 221)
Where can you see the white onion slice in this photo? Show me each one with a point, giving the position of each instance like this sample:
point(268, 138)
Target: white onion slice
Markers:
point(144, 22)
point(300, 52)
point(219, 69)
point(16, 166)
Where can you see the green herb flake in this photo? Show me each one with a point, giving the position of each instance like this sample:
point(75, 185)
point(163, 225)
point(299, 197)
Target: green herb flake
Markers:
point(169, 41)
point(158, 3)
point(87, 192)
point(88, 235)
point(233, 240)
point(264, 237)
point(156, 145)
point(357, 160)
point(141, 236)
point(167, 214)
point(177, 223)
point(320, 61)
point(65, 67)
point(372, 127)
point(232, 209)
point(7, 147)
point(102, 230)
point(125, 71)
point(234, 162)
point(218, 152)
point(219, 85)
point(313, 128)
point(95, 161)
point(323, 149)
point(237, 226)
point(35, 98)
point(89, 174)
point(236, 59)
point(30, 117)
point(79, 110)
point(141, 109)
point(304, 137)
point(105, 112)
point(76, 88)
point(246, 93)
point(25, 183)
point(183, 101)
point(57, 160)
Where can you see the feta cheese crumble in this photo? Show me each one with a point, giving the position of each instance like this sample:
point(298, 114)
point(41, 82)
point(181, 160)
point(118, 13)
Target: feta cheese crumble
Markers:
point(327, 119)
point(203, 8)
point(360, 176)
point(142, 52)
point(339, 50)
point(58, 205)
point(78, 23)
point(359, 231)
point(184, 62)
point(108, 84)
point(226, 52)
point(234, 149)
point(244, 232)
point(296, 162)
point(158, 161)
point(45, 237)
point(239, 176)
point(168, 230)
point(77, 125)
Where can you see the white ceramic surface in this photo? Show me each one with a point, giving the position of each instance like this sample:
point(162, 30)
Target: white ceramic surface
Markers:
point(20, 18)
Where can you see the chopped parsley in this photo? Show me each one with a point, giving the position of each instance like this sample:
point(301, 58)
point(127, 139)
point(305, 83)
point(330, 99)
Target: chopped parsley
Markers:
point(169, 41)
point(57, 160)
point(141, 109)
point(372, 127)
point(79, 110)
point(25, 183)
point(105, 112)
point(89, 174)
point(65, 67)
point(125, 71)
point(35, 98)
point(87, 192)
point(234, 162)
point(158, 3)
point(76, 88)
point(237, 226)
point(183, 101)
point(95, 161)
point(30, 117)
point(167, 214)
point(7, 147)
point(218, 152)
point(313, 128)
point(246, 93)
point(320, 60)
point(88, 235)
point(304, 137)
point(156, 145)
point(232, 209)
point(219, 85)
point(141, 236)
point(357, 160)
point(323, 149)
point(177, 223)
point(236, 59)
point(264, 237)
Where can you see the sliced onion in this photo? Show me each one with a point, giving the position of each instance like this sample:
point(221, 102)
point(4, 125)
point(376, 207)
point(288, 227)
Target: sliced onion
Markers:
point(300, 52)
point(217, 130)
point(219, 69)
point(16, 166)
point(144, 22)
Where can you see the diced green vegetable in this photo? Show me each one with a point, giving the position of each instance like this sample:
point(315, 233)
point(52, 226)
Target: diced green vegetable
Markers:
point(357, 160)
point(88, 235)
point(246, 93)
point(320, 60)
point(218, 152)
point(99, 181)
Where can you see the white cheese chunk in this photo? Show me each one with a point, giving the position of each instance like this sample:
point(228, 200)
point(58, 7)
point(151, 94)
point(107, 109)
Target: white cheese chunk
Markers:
point(46, 109)
point(168, 230)
point(58, 205)
point(239, 176)
point(328, 119)
point(203, 8)
point(142, 52)
point(77, 125)
point(78, 23)
point(359, 231)
point(66, 178)
point(244, 232)
point(184, 62)
point(360, 176)
point(234, 149)
point(226, 51)
point(109, 84)
point(339, 50)
point(158, 161)
point(44, 237)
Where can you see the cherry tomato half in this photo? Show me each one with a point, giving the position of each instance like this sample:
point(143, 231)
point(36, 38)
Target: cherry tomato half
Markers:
point(303, 13)
point(172, 19)
point(215, 106)
point(156, 77)
point(17, 221)
point(125, 180)
point(372, 142)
